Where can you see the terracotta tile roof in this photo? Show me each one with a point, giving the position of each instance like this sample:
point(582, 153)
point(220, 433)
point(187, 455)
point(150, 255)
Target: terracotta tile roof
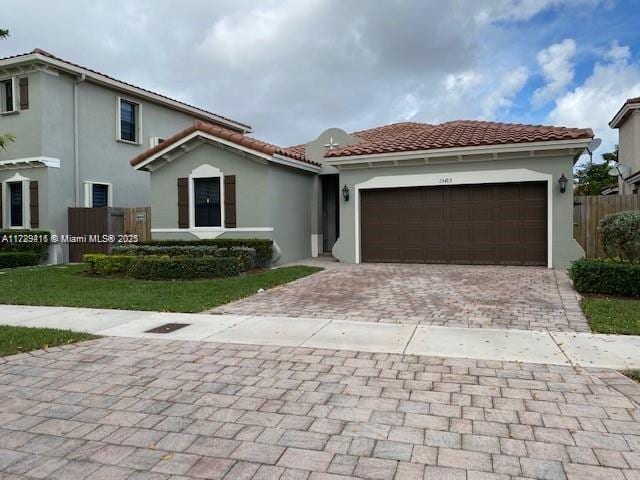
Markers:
point(411, 136)
point(44, 53)
point(224, 134)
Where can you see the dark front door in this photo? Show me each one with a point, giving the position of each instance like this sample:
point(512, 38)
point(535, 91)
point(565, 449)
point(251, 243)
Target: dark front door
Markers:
point(207, 202)
point(330, 211)
point(15, 196)
point(504, 224)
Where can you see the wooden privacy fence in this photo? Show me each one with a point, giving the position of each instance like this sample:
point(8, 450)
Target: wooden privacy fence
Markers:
point(97, 230)
point(589, 210)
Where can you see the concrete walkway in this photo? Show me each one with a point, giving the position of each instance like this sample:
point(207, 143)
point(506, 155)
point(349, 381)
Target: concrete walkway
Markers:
point(553, 348)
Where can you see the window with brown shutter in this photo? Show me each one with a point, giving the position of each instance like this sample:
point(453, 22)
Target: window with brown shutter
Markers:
point(23, 84)
point(34, 209)
point(230, 201)
point(183, 202)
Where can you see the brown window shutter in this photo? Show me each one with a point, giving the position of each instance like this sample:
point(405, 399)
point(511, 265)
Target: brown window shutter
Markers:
point(230, 201)
point(183, 202)
point(23, 85)
point(34, 208)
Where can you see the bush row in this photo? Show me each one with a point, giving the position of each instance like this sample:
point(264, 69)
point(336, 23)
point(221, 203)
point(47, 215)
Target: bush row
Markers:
point(246, 255)
point(163, 267)
point(262, 247)
point(18, 259)
point(606, 277)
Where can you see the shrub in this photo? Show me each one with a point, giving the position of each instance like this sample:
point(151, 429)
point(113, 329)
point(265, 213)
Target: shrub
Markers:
point(101, 264)
point(183, 268)
point(246, 255)
point(30, 241)
point(263, 247)
point(606, 277)
point(620, 233)
point(18, 259)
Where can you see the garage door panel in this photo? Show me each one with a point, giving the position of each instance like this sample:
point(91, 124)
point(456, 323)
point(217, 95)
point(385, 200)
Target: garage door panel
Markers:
point(469, 224)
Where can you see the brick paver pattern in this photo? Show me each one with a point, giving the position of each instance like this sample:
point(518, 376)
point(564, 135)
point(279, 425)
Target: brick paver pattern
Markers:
point(136, 409)
point(525, 298)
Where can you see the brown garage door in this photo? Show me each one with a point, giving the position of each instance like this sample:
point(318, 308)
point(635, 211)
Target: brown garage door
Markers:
point(504, 224)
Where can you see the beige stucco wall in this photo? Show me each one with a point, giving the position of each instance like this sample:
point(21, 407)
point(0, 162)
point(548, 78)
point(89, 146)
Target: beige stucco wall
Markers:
point(629, 141)
point(564, 247)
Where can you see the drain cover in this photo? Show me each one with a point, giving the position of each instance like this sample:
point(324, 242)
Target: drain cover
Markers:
point(168, 328)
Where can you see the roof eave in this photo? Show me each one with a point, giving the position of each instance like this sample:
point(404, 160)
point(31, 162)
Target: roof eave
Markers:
point(576, 146)
point(621, 116)
point(124, 87)
point(179, 145)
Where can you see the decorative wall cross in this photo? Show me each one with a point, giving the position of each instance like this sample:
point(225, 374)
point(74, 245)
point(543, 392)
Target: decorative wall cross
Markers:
point(331, 145)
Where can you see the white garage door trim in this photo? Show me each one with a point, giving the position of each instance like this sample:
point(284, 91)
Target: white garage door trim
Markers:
point(459, 178)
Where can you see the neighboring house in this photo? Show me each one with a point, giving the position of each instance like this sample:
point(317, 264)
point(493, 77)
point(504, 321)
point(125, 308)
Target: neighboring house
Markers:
point(75, 131)
point(467, 192)
point(627, 121)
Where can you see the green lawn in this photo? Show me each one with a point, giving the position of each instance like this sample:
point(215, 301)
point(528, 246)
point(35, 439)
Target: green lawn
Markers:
point(68, 286)
point(23, 339)
point(612, 315)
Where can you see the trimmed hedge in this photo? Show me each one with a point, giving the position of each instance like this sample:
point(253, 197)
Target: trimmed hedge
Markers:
point(101, 264)
point(246, 255)
point(263, 247)
point(183, 268)
point(32, 241)
point(606, 277)
point(162, 267)
point(18, 259)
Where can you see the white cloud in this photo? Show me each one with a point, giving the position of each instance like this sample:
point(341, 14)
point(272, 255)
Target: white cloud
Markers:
point(556, 64)
point(522, 10)
point(596, 101)
point(501, 96)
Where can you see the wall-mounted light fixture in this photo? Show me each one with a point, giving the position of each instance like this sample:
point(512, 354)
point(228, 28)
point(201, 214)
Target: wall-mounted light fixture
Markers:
point(563, 183)
point(345, 193)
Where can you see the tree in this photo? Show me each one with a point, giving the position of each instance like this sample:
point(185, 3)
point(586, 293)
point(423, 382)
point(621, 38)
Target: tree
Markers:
point(594, 178)
point(7, 137)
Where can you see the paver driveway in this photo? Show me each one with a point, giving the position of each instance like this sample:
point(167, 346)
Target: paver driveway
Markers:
point(449, 295)
point(149, 409)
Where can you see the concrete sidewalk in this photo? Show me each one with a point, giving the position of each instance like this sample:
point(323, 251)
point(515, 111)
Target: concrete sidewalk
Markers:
point(555, 348)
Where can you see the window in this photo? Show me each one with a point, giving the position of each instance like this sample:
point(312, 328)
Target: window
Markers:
point(15, 199)
point(207, 202)
point(7, 97)
point(99, 195)
point(153, 141)
point(129, 121)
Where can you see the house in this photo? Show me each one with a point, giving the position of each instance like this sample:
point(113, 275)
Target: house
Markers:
point(467, 192)
point(627, 121)
point(75, 131)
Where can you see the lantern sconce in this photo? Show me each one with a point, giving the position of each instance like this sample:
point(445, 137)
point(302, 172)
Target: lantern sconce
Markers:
point(345, 193)
point(563, 183)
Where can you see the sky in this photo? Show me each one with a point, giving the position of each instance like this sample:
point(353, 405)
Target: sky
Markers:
point(293, 68)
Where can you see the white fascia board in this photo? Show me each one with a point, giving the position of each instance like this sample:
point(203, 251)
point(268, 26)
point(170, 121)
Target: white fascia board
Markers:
point(28, 162)
point(292, 162)
point(617, 120)
point(199, 134)
point(460, 151)
point(122, 86)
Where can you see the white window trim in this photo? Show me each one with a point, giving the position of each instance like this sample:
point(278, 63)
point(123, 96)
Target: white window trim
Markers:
point(13, 97)
point(138, 140)
point(205, 171)
point(88, 193)
point(457, 178)
point(6, 200)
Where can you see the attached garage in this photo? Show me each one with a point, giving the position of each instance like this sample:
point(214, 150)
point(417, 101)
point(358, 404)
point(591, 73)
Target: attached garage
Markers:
point(500, 223)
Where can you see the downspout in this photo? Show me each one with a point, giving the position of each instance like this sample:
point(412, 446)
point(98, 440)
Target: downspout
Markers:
point(76, 149)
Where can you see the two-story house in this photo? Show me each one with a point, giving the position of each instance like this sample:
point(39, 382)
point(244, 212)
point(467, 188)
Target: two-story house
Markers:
point(627, 121)
point(75, 131)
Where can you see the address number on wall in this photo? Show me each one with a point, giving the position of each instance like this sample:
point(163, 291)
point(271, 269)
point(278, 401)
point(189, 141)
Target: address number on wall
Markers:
point(446, 180)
